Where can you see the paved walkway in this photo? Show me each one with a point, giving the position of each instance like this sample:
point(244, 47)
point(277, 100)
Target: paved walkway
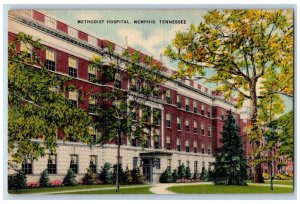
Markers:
point(162, 188)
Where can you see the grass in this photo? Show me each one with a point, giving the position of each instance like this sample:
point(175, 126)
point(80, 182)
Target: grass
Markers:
point(140, 190)
point(281, 182)
point(53, 189)
point(212, 189)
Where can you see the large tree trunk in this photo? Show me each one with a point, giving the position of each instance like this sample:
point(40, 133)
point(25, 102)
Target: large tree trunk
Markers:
point(258, 178)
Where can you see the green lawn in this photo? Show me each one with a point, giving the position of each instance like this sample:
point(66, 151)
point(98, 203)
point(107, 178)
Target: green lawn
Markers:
point(212, 189)
point(140, 190)
point(53, 189)
point(282, 182)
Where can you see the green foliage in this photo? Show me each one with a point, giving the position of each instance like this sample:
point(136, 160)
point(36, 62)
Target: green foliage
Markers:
point(204, 174)
point(230, 165)
point(70, 179)
point(166, 176)
point(285, 126)
point(196, 175)
point(181, 171)
point(105, 174)
point(37, 105)
point(44, 179)
point(128, 176)
point(121, 174)
point(188, 174)
point(89, 178)
point(18, 181)
point(137, 176)
point(175, 175)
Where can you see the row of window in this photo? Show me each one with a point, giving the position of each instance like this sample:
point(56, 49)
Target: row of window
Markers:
point(187, 125)
point(188, 164)
point(188, 145)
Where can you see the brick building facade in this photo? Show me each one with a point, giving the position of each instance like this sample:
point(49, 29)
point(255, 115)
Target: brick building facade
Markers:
point(192, 115)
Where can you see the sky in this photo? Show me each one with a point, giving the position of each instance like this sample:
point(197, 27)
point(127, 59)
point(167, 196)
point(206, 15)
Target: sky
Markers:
point(150, 39)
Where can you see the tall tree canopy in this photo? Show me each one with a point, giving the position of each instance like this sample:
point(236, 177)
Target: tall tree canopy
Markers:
point(249, 52)
point(37, 104)
point(230, 165)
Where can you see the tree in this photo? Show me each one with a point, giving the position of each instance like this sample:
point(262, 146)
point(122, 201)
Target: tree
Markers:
point(230, 167)
point(128, 176)
point(188, 174)
point(44, 179)
point(137, 177)
point(70, 179)
point(166, 176)
point(121, 175)
point(285, 126)
point(174, 175)
point(105, 174)
point(117, 114)
point(89, 178)
point(204, 174)
point(181, 171)
point(20, 180)
point(37, 105)
point(247, 51)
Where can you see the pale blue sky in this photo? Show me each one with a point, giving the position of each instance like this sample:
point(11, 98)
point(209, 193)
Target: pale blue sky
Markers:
point(148, 38)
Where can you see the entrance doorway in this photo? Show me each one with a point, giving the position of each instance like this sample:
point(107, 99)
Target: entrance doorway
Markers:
point(147, 170)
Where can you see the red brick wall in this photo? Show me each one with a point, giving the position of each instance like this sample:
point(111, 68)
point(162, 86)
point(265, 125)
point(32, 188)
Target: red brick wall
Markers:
point(82, 35)
point(61, 26)
point(38, 16)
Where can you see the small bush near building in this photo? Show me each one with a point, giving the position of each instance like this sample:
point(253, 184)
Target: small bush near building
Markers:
point(266, 176)
point(204, 174)
point(166, 177)
point(70, 179)
point(181, 172)
point(105, 175)
point(121, 174)
point(282, 177)
point(188, 173)
point(56, 183)
point(33, 184)
point(44, 179)
point(175, 175)
point(137, 176)
point(89, 178)
point(128, 176)
point(18, 181)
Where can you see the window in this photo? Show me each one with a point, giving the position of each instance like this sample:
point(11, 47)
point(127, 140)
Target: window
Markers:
point(146, 113)
point(73, 98)
point(203, 148)
point(72, 32)
point(202, 109)
point(178, 144)
point(178, 101)
point(209, 112)
point(134, 162)
point(156, 139)
point(168, 97)
point(118, 80)
point(51, 166)
point(133, 84)
point(134, 142)
point(195, 104)
point(222, 115)
point(187, 104)
point(27, 167)
point(25, 47)
point(92, 132)
point(208, 148)
point(74, 163)
point(50, 22)
point(187, 146)
point(209, 131)
point(195, 146)
point(168, 120)
point(195, 127)
point(168, 142)
point(202, 129)
point(92, 104)
point(157, 163)
point(92, 41)
point(169, 165)
point(188, 163)
point(93, 163)
point(179, 162)
point(178, 123)
point(195, 166)
point(187, 125)
point(157, 117)
point(50, 60)
point(203, 164)
point(72, 67)
point(92, 74)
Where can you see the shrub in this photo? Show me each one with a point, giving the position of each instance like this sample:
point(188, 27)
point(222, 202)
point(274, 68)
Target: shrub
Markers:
point(33, 184)
point(204, 174)
point(175, 175)
point(44, 179)
point(166, 177)
point(128, 176)
point(121, 174)
point(181, 172)
point(185, 180)
point(56, 183)
point(21, 180)
point(11, 182)
point(105, 175)
point(188, 173)
point(137, 177)
point(281, 177)
point(70, 179)
point(196, 175)
point(266, 176)
point(89, 178)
